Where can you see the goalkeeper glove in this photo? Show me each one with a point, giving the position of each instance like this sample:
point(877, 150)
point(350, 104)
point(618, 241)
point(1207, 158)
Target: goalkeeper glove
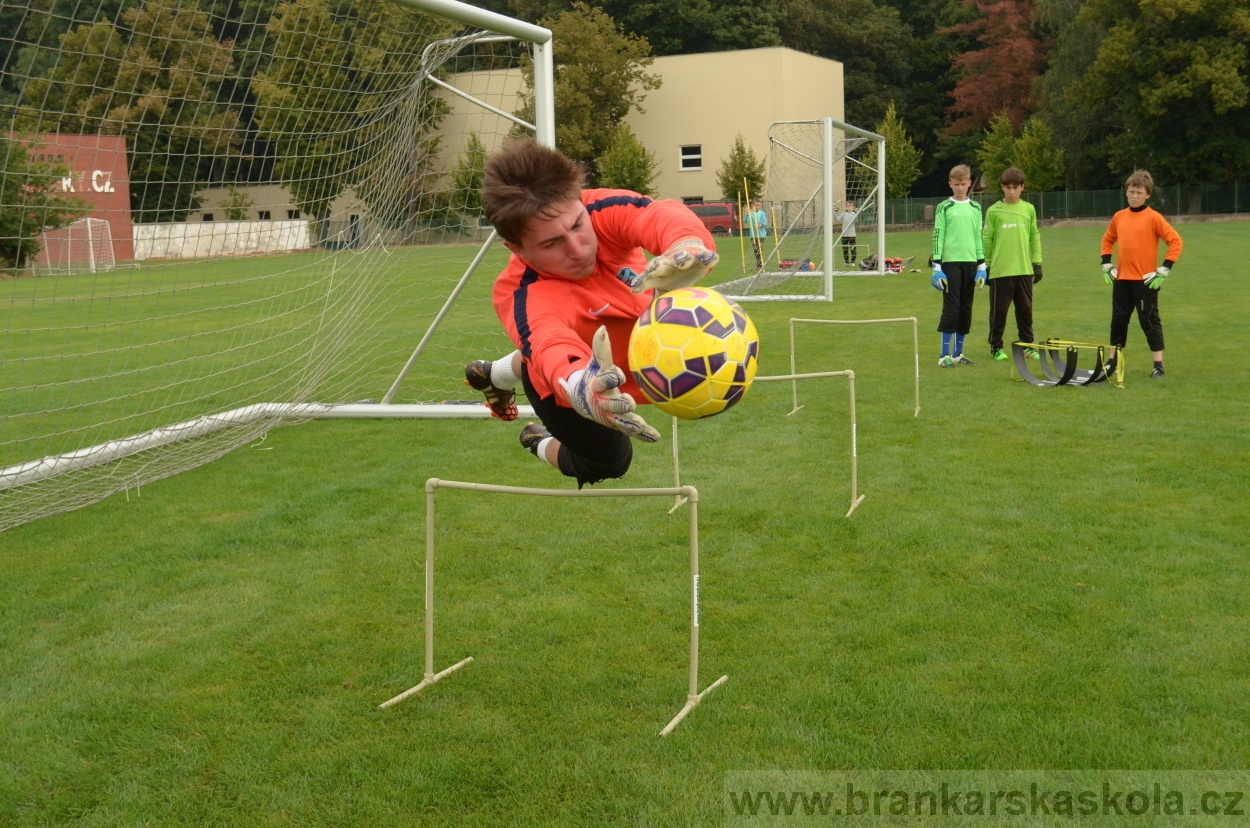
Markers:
point(1109, 273)
point(682, 265)
point(1154, 281)
point(1037, 273)
point(595, 393)
point(939, 277)
point(983, 273)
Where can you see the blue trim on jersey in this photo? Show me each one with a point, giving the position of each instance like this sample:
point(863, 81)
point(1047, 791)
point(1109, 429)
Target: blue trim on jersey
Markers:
point(519, 297)
point(618, 201)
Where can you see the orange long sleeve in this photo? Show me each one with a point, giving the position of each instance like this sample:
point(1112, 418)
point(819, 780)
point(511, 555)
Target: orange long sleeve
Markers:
point(1138, 235)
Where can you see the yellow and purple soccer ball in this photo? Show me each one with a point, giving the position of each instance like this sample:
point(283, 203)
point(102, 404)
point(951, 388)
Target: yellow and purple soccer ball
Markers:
point(693, 353)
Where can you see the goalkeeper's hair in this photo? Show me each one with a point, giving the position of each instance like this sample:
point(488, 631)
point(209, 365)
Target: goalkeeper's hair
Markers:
point(1012, 176)
point(961, 172)
point(1141, 178)
point(524, 180)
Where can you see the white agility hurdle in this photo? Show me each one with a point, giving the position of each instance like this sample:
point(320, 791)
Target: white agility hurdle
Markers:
point(915, 340)
point(856, 497)
point(692, 497)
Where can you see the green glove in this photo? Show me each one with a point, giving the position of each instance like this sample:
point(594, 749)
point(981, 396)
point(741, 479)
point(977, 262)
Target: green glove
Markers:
point(1154, 281)
point(1110, 273)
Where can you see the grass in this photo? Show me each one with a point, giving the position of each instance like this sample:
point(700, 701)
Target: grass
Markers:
point(1038, 578)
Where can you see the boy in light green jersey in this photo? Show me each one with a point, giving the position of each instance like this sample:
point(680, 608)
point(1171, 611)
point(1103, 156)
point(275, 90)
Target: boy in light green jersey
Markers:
point(958, 265)
point(1013, 258)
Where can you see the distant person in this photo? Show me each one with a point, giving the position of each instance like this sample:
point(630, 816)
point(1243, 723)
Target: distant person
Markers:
point(850, 250)
point(1013, 262)
point(756, 223)
point(568, 299)
point(958, 265)
point(1135, 280)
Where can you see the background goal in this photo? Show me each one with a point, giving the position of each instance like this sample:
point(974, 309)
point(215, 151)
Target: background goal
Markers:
point(295, 215)
point(814, 169)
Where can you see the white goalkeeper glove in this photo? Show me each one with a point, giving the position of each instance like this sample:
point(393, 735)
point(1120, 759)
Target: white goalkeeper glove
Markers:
point(595, 393)
point(983, 273)
point(1154, 280)
point(682, 265)
point(1110, 273)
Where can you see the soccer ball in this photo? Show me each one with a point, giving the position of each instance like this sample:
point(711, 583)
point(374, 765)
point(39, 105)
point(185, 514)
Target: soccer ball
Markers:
point(693, 353)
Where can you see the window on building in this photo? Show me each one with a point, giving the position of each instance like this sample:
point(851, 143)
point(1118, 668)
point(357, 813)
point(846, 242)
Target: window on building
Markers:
point(692, 199)
point(263, 215)
point(692, 157)
point(208, 216)
point(292, 214)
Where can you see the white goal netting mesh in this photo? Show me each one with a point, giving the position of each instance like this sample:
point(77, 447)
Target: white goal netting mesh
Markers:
point(287, 194)
point(793, 257)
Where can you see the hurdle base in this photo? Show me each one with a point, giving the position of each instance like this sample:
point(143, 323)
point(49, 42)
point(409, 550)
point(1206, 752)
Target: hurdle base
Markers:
point(855, 504)
point(681, 501)
point(691, 703)
point(796, 410)
point(429, 679)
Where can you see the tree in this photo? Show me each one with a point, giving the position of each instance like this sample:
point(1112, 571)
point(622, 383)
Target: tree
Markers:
point(1171, 82)
point(996, 152)
point(902, 159)
point(868, 39)
point(600, 75)
point(315, 98)
point(238, 205)
point(1038, 158)
point(998, 77)
point(741, 165)
point(627, 164)
point(29, 204)
point(160, 89)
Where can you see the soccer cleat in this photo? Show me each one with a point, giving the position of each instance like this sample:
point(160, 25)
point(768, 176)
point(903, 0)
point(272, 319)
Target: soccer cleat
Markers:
point(946, 362)
point(1031, 354)
point(1157, 372)
point(532, 436)
point(500, 401)
point(998, 354)
point(960, 359)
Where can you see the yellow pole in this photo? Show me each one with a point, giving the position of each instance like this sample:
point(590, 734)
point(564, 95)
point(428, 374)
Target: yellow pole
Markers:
point(746, 195)
point(776, 236)
point(742, 251)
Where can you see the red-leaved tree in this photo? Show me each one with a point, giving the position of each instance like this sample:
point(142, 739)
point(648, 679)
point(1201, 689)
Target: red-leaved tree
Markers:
point(998, 77)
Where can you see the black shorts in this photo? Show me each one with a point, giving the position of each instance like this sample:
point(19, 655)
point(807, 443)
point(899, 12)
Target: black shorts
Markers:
point(588, 451)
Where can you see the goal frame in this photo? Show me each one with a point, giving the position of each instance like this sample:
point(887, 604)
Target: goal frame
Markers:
point(827, 269)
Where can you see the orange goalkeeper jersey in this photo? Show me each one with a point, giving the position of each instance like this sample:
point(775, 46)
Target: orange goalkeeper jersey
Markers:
point(552, 321)
point(1138, 234)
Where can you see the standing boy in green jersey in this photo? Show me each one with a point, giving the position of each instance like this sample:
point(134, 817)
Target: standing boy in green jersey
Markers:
point(1013, 258)
point(958, 265)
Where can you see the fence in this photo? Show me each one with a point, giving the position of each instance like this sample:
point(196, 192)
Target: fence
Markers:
point(1176, 200)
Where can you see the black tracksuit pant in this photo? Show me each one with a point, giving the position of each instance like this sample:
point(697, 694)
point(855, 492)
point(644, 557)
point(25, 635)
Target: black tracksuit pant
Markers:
point(958, 296)
point(1005, 291)
point(1130, 295)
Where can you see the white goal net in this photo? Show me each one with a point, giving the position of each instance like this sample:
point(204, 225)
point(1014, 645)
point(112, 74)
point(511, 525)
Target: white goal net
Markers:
point(293, 196)
point(822, 198)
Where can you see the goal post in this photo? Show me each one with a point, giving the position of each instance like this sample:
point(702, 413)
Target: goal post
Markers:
point(823, 196)
point(300, 212)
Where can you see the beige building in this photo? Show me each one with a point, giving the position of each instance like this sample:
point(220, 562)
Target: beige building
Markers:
point(708, 99)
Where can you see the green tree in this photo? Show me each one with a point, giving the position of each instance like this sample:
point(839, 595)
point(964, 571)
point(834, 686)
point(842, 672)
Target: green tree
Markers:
point(627, 164)
point(902, 159)
point(996, 152)
point(161, 90)
point(741, 166)
point(317, 98)
point(29, 203)
point(1171, 81)
point(600, 75)
point(239, 205)
point(1038, 157)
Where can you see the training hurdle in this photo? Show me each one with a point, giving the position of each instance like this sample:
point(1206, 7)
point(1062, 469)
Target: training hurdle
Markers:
point(691, 494)
point(856, 497)
point(915, 341)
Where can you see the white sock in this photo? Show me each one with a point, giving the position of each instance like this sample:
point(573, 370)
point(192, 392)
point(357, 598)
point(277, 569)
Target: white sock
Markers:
point(501, 375)
point(542, 450)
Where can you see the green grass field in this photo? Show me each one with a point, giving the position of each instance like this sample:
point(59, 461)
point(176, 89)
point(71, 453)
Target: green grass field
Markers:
point(1039, 578)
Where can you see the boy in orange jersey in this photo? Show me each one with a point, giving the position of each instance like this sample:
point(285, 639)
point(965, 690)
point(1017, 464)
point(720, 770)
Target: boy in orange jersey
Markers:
point(574, 286)
point(1135, 283)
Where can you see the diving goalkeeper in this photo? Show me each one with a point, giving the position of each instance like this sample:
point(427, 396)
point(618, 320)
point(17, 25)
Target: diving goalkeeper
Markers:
point(573, 288)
